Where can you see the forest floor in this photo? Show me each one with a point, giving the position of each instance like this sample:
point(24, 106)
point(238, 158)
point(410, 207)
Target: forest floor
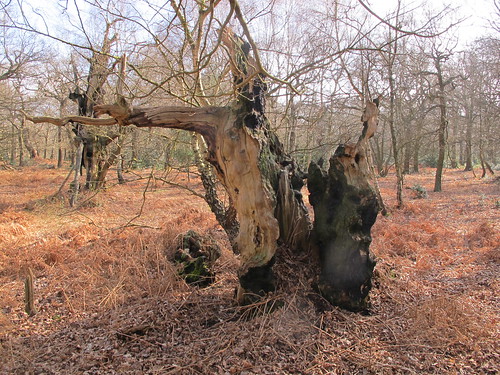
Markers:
point(110, 302)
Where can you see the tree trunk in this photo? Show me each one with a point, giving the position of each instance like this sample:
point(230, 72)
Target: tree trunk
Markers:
point(33, 152)
point(75, 185)
point(132, 163)
point(468, 142)
point(291, 136)
point(394, 140)
point(46, 144)
point(443, 125)
point(60, 156)
point(379, 156)
point(13, 145)
point(119, 169)
point(453, 146)
point(484, 164)
point(416, 154)
point(345, 209)
point(406, 158)
point(21, 147)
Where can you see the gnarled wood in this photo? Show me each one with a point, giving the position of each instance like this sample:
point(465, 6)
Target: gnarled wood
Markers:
point(246, 166)
point(264, 184)
point(345, 209)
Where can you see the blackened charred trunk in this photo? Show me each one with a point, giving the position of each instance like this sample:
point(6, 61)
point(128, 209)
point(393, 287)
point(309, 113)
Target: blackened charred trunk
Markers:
point(343, 217)
point(345, 208)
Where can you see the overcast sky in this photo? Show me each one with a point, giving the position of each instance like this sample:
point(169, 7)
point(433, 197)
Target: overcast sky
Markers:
point(477, 14)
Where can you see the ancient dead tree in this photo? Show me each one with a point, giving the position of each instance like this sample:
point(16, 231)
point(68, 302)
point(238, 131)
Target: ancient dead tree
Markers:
point(93, 152)
point(264, 185)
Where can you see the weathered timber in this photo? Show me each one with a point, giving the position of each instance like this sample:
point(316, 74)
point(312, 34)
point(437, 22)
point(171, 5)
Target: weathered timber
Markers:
point(345, 208)
point(29, 293)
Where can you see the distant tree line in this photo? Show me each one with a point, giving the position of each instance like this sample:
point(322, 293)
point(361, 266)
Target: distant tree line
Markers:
point(439, 99)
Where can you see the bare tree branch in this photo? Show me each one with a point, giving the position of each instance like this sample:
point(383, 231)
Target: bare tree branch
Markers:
point(409, 32)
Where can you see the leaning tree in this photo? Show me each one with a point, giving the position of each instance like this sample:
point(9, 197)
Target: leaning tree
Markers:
point(264, 184)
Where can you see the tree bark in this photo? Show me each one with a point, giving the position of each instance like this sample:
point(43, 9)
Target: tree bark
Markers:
point(484, 164)
point(119, 169)
point(75, 185)
point(21, 147)
point(443, 124)
point(415, 159)
point(453, 146)
point(394, 140)
point(59, 148)
point(345, 209)
point(406, 159)
point(25, 141)
point(468, 141)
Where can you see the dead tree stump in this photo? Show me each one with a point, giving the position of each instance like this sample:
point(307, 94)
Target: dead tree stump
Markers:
point(345, 208)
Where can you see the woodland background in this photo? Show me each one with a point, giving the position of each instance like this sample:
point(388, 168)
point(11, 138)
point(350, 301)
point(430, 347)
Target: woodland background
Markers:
point(330, 53)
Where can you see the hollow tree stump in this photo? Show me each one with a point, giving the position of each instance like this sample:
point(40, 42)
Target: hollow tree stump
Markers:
point(345, 208)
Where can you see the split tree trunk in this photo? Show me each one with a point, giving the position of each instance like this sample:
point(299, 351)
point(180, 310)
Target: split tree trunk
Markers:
point(264, 184)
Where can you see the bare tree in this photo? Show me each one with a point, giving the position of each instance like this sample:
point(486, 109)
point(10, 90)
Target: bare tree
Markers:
point(264, 185)
point(478, 69)
point(19, 53)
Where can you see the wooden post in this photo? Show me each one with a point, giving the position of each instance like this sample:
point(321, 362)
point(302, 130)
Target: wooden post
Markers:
point(29, 293)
